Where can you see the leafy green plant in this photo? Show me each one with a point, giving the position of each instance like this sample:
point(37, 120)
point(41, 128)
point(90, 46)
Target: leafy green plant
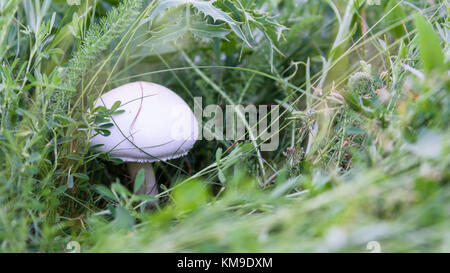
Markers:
point(364, 125)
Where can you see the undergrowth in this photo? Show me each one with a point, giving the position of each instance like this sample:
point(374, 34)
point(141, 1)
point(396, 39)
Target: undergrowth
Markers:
point(363, 94)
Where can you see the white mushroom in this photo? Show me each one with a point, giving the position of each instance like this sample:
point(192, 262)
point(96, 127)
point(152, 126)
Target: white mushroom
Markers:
point(156, 125)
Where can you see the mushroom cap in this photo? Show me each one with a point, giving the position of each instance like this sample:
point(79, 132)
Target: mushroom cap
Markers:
point(156, 125)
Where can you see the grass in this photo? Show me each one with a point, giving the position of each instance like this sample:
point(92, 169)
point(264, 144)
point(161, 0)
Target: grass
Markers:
point(363, 93)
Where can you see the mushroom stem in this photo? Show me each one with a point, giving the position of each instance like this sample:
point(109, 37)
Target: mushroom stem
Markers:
point(149, 186)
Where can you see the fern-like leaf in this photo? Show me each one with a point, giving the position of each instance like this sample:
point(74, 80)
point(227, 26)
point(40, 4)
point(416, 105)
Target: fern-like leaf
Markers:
point(99, 37)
